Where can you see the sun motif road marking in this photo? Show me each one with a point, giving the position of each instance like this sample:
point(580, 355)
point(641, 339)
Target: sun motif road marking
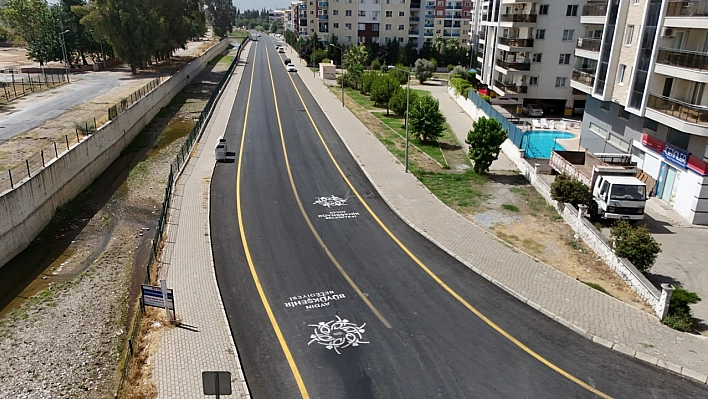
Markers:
point(337, 334)
point(330, 201)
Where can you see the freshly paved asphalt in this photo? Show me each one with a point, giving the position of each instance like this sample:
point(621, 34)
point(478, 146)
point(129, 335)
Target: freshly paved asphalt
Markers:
point(426, 342)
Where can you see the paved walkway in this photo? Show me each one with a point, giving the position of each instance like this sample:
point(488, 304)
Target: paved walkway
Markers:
point(206, 343)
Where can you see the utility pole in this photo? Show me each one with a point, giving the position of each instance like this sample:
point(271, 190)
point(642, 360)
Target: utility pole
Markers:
point(63, 50)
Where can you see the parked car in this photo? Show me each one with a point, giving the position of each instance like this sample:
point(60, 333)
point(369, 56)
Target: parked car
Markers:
point(291, 68)
point(287, 61)
point(281, 50)
point(532, 110)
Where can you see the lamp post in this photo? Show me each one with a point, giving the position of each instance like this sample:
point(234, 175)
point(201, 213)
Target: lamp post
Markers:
point(341, 64)
point(63, 51)
point(408, 105)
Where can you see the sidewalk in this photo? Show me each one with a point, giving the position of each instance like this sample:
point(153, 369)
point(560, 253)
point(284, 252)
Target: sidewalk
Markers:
point(584, 310)
point(204, 341)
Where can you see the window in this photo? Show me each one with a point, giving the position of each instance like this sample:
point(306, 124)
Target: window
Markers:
point(543, 9)
point(560, 82)
point(605, 105)
point(361, 26)
point(564, 59)
point(540, 34)
point(375, 39)
point(628, 35)
point(335, 12)
point(375, 2)
point(312, 12)
point(598, 130)
point(439, 22)
point(348, 13)
point(375, 14)
point(389, 14)
point(362, 13)
point(571, 11)
point(375, 27)
point(536, 57)
point(437, 31)
point(362, 1)
point(348, 39)
point(651, 124)
point(362, 39)
point(568, 34)
point(347, 26)
point(387, 27)
point(335, 25)
point(401, 13)
point(678, 139)
point(618, 142)
point(403, 1)
point(438, 12)
point(401, 27)
point(622, 114)
point(441, 3)
point(635, 2)
point(620, 73)
point(533, 81)
point(388, 1)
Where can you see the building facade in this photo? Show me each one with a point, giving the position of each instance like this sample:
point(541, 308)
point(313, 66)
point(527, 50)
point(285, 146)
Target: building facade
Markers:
point(643, 65)
point(525, 51)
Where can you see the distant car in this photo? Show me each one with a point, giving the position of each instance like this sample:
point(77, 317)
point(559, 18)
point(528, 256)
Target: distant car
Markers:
point(287, 61)
point(291, 68)
point(532, 110)
point(281, 50)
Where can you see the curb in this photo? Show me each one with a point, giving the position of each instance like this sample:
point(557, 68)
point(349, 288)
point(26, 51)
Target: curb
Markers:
point(671, 367)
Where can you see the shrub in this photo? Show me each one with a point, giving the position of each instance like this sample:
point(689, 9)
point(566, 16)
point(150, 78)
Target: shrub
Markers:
point(636, 244)
point(326, 60)
point(459, 72)
point(461, 86)
point(573, 191)
point(400, 75)
point(366, 80)
point(425, 117)
point(679, 316)
point(382, 89)
point(397, 103)
point(375, 65)
point(485, 140)
point(484, 97)
point(450, 67)
point(423, 69)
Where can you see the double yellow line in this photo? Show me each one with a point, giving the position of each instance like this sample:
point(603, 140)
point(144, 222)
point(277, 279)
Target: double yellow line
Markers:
point(453, 293)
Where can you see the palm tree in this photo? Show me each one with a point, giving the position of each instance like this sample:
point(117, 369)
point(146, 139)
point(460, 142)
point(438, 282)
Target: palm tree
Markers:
point(439, 43)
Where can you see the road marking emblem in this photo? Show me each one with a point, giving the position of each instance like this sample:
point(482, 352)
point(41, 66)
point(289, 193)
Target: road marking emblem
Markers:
point(337, 334)
point(330, 201)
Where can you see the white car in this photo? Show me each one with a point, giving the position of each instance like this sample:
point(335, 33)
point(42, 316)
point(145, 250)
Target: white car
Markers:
point(281, 50)
point(291, 68)
point(532, 110)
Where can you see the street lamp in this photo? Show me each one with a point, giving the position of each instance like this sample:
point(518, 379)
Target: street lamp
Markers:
point(341, 64)
point(408, 105)
point(63, 51)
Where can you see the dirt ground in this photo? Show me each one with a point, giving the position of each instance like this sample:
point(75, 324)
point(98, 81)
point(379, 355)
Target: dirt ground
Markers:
point(64, 326)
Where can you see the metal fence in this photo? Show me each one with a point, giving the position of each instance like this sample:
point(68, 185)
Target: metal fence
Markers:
point(177, 164)
point(125, 103)
point(15, 85)
point(515, 134)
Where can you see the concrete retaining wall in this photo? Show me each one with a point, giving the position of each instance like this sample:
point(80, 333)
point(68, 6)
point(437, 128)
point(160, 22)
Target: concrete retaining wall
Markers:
point(27, 209)
point(658, 300)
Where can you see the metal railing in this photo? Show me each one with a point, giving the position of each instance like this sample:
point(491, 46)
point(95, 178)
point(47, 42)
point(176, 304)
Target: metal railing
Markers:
point(594, 10)
point(19, 85)
point(586, 78)
point(588, 44)
point(413, 19)
point(516, 42)
point(682, 58)
point(323, 16)
point(697, 8)
point(515, 134)
point(684, 111)
point(529, 18)
point(517, 66)
point(511, 87)
point(127, 102)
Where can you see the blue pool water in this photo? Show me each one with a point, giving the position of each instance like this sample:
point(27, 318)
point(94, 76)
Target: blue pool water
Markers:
point(539, 143)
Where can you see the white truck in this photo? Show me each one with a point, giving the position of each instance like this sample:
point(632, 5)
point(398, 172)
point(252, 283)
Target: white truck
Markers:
point(616, 192)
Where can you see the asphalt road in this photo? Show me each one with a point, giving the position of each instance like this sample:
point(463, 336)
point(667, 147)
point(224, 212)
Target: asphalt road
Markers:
point(330, 295)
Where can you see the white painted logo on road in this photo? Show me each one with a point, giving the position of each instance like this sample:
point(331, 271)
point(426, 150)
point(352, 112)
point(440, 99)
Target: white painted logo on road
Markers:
point(338, 215)
point(330, 201)
point(337, 334)
point(314, 300)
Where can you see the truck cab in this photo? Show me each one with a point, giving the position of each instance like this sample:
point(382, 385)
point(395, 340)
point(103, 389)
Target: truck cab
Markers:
point(618, 197)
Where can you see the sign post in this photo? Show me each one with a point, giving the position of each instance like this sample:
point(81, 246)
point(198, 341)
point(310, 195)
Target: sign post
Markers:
point(163, 285)
point(216, 383)
point(159, 297)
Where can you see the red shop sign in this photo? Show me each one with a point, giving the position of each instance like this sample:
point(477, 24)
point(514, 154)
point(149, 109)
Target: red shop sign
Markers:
point(653, 143)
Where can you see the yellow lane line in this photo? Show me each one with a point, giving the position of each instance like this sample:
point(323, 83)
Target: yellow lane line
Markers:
point(437, 279)
point(309, 222)
point(256, 280)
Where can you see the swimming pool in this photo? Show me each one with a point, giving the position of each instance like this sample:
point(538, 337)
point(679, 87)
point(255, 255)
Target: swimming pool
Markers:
point(539, 143)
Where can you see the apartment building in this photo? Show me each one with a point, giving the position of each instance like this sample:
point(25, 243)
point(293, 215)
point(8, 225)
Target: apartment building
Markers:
point(383, 21)
point(526, 51)
point(644, 66)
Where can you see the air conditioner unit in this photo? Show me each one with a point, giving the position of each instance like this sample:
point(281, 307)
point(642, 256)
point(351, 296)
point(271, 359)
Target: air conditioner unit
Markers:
point(668, 32)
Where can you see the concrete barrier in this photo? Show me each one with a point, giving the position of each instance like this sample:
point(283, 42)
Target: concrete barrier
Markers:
point(27, 209)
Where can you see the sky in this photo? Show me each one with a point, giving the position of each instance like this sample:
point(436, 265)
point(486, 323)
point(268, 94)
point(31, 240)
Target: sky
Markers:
point(259, 4)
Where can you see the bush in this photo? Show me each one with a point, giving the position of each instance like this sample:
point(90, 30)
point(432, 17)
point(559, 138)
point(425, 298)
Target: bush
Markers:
point(424, 69)
point(679, 316)
point(459, 72)
point(485, 140)
point(450, 67)
point(382, 89)
point(460, 85)
point(366, 80)
point(326, 60)
point(426, 120)
point(484, 97)
point(573, 191)
point(636, 244)
point(375, 65)
point(400, 75)
point(397, 103)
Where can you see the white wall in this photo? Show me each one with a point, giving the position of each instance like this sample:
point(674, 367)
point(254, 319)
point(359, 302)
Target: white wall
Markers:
point(27, 209)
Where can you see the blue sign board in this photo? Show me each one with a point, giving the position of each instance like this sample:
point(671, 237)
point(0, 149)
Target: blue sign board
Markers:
point(152, 296)
point(676, 156)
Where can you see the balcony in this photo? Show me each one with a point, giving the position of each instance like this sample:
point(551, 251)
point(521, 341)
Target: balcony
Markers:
point(482, 35)
point(322, 4)
point(511, 88)
point(430, 6)
point(414, 19)
point(683, 59)
point(429, 25)
point(515, 66)
point(584, 77)
point(428, 34)
point(324, 16)
point(686, 112)
point(448, 33)
point(594, 10)
point(515, 42)
point(528, 18)
point(303, 15)
point(413, 32)
point(588, 44)
point(697, 8)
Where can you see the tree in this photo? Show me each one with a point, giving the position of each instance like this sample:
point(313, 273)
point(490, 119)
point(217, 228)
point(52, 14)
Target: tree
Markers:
point(367, 79)
point(636, 244)
point(400, 73)
point(222, 15)
point(425, 118)
point(572, 191)
point(37, 24)
point(485, 140)
point(423, 70)
point(375, 65)
point(382, 89)
point(408, 54)
point(355, 72)
point(356, 55)
point(399, 102)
